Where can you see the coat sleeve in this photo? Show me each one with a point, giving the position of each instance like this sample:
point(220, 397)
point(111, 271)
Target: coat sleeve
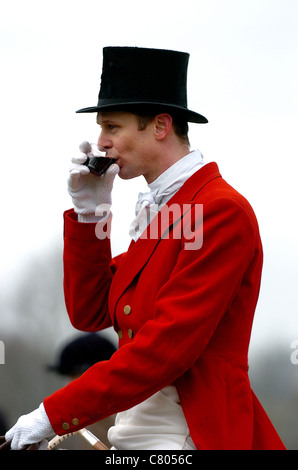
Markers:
point(86, 284)
point(187, 310)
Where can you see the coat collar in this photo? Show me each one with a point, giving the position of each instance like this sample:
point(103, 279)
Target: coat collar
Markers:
point(139, 252)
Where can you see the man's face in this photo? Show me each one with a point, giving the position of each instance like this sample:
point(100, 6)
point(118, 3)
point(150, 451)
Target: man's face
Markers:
point(123, 140)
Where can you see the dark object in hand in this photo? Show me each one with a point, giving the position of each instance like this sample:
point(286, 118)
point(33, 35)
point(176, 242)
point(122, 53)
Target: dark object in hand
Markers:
point(5, 445)
point(99, 165)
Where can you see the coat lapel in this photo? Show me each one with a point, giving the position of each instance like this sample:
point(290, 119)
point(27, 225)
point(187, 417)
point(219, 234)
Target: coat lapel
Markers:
point(139, 252)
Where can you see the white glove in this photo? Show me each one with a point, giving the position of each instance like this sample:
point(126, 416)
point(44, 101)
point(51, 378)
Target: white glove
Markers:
point(30, 429)
point(89, 192)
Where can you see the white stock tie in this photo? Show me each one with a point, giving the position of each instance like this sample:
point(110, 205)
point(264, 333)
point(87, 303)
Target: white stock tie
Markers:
point(162, 189)
point(146, 210)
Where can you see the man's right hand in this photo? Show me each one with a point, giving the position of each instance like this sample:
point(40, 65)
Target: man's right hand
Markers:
point(88, 191)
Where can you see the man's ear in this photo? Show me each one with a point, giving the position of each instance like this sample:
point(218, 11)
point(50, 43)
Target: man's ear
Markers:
point(163, 124)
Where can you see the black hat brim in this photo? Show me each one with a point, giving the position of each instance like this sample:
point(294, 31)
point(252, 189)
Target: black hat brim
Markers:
point(177, 111)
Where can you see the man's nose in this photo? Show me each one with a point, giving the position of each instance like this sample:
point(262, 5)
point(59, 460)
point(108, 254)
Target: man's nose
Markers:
point(103, 143)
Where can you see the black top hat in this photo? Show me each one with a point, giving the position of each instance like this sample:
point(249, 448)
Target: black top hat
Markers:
point(81, 353)
point(145, 80)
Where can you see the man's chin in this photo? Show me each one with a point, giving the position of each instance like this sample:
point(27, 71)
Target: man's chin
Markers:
point(126, 175)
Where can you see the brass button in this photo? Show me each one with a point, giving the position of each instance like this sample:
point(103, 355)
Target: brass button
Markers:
point(127, 309)
point(75, 421)
point(65, 426)
point(120, 334)
point(130, 333)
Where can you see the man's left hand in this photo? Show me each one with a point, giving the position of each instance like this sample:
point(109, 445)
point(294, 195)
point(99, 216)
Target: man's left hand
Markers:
point(32, 428)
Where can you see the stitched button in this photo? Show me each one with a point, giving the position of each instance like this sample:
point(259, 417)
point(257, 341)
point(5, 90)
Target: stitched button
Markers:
point(75, 421)
point(120, 334)
point(130, 333)
point(127, 309)
point(65, 426)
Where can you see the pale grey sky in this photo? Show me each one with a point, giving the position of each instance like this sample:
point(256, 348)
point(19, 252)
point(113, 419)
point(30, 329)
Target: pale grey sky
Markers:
point(243, 76)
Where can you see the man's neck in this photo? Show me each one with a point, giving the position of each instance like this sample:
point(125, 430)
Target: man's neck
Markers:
point(166, 160)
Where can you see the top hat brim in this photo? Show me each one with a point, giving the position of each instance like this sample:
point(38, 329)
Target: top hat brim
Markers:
point(176, 111)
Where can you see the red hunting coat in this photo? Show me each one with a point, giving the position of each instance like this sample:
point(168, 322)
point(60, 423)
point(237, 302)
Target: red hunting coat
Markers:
point(183, 316)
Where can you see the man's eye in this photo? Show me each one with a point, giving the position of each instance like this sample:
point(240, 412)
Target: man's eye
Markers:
point(111, 127)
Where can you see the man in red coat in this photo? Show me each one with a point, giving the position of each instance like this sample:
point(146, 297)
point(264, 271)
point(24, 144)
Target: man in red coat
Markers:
point(182, 298)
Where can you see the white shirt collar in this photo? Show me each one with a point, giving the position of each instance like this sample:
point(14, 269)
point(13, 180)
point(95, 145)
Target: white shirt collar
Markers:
point(162, 190)
point(165, 186)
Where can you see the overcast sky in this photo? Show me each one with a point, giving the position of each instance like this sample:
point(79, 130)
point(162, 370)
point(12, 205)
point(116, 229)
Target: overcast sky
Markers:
point(243, 76)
